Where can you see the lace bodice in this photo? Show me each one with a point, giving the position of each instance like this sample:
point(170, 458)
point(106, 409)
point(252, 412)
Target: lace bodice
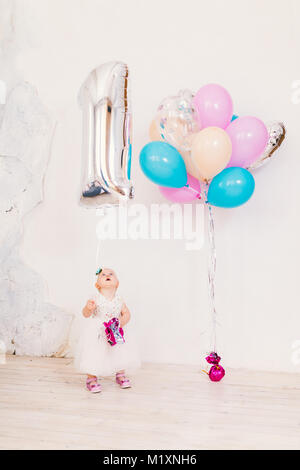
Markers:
point(107, 309)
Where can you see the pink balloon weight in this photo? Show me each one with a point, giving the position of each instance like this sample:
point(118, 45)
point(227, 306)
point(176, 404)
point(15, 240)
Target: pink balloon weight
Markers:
point(185, 194)
point(213, 106)
point(216, 373)
point(249, 137)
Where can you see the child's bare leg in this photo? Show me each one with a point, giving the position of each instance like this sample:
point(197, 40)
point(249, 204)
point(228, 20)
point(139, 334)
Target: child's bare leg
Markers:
point(92, 376)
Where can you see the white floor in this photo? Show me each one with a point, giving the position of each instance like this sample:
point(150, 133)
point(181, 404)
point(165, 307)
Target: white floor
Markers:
point(43, 405)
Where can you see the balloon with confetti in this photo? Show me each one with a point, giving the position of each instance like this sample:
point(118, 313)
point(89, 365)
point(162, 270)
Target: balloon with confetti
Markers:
point(176, 120)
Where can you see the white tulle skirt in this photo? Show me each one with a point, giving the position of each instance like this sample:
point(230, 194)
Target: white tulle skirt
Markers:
point(95, 356)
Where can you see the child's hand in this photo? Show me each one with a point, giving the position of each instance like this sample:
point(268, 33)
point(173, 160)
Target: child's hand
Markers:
point(125, 316)
point(89, 308)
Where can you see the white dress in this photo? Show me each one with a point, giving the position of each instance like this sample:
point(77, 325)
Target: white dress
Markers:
point(94, 355)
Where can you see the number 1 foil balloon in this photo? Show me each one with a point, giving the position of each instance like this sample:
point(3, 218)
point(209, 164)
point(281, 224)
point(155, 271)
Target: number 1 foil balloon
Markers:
point(106, 136)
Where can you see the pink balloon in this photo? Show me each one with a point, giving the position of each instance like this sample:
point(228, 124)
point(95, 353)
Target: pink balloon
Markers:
point(213, 105)
point(185, 194)
point(249, 137)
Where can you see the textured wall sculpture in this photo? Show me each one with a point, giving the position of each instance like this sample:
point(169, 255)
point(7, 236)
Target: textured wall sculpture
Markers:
point(28, 325)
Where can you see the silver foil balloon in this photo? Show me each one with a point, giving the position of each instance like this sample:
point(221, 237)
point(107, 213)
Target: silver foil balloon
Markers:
point(106, 136)
point(277, 134)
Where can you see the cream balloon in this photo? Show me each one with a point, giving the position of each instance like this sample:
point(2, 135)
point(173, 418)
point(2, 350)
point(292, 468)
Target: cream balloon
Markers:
point(154, 132)
point(211, 151)
point(190, 165)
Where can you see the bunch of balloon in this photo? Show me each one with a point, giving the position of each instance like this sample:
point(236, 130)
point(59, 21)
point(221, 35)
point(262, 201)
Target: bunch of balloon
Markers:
point(200, 150)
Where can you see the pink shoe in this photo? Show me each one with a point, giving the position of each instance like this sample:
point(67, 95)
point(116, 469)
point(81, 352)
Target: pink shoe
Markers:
point(93, 387)
point(123, 381)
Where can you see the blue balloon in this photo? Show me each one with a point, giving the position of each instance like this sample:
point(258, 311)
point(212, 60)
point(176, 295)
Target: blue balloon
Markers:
point(163, 164)
point(129, 161)
point(231, 188)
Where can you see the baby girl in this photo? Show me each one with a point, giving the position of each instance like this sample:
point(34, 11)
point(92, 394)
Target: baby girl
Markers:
point(95, 355)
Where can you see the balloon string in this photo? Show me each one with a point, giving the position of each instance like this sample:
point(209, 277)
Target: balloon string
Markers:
point(98, 254)
point(193, 190)
point(212, 266)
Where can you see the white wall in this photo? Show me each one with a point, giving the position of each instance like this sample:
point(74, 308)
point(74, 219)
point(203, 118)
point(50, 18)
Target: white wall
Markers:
point(251, 48)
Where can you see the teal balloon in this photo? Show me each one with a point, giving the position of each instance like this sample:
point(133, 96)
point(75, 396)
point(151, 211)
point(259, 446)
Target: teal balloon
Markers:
point(234, 117)
point(231, 188)
point(163, 164)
